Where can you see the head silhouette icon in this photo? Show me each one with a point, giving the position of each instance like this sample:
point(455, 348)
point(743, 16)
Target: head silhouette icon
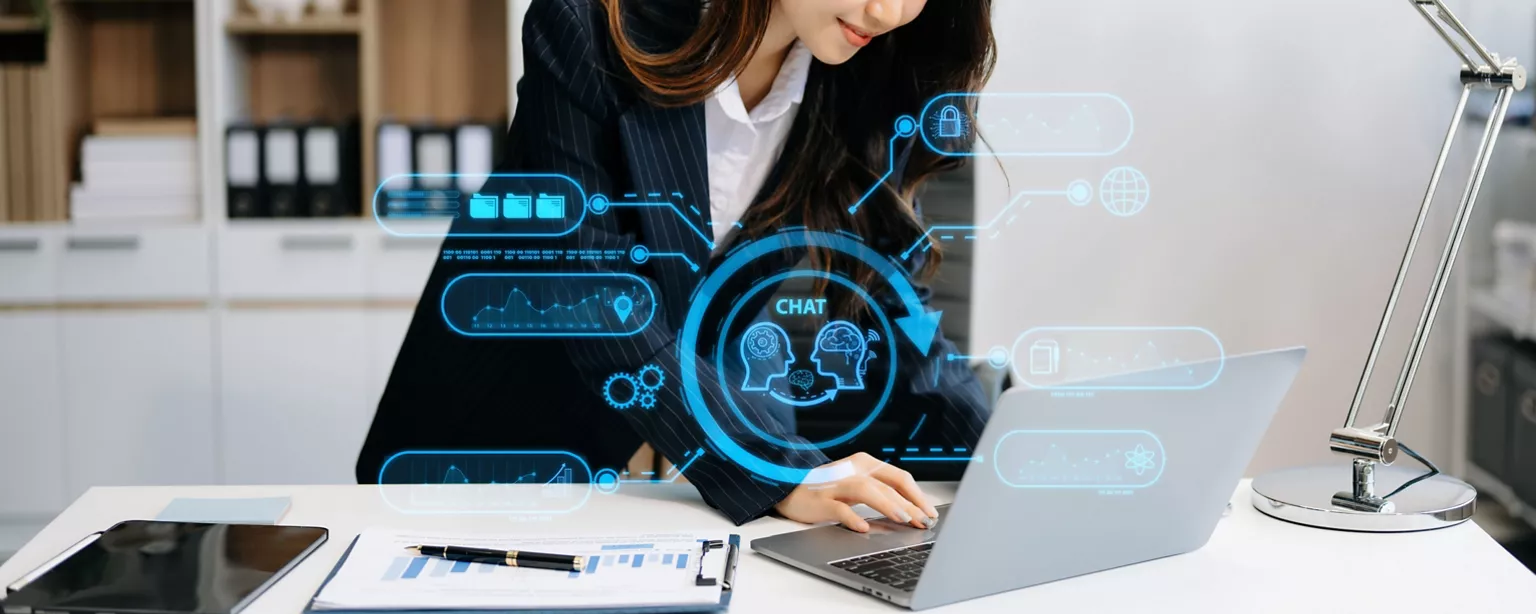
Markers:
point(766, 353)
point(842, 353)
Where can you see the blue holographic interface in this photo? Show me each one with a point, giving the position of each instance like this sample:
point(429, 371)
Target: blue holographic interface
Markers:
point(1093, 358)
point(548, 304)
point(482, 482)
point(1068, 459)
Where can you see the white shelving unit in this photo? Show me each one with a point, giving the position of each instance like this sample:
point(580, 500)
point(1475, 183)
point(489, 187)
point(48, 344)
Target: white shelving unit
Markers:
point(1509, 193)
point(209, 351)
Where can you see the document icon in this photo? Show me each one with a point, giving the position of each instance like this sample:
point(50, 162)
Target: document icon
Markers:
point(1044, 358)
point(518, 207)
point(482, 207)
point(551, 207)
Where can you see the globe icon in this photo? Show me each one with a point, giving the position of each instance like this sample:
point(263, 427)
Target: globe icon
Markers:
point(1125, 191)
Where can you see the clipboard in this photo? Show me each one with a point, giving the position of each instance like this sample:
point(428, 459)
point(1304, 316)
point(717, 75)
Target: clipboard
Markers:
point(727, 580)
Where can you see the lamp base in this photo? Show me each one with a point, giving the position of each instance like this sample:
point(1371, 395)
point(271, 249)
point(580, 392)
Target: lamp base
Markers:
point(1319, 496)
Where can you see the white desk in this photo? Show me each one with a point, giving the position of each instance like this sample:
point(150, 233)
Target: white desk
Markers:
point(1252, 564)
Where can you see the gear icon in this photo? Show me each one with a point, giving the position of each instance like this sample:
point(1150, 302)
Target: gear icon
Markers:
point(647, 399)
point(651, 377)
point(634, 394)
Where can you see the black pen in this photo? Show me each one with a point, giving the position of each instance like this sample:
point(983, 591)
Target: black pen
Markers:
point(510, 558)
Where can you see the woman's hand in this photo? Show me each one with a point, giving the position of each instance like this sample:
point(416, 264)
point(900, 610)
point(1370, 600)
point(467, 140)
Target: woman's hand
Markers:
point(889, 490)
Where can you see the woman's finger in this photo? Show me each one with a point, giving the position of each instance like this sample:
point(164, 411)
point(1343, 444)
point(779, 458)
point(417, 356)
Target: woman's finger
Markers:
point(870, 493)
point(906, 487)
point(919, 517)
point(845, 515)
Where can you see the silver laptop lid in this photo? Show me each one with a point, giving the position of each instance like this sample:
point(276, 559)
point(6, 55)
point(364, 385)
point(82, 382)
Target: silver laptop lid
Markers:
point(1069, 482)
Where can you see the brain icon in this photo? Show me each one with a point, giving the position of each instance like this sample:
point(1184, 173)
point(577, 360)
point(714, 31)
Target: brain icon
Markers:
point(762, 343)
point(802, 379)
point(840, 339)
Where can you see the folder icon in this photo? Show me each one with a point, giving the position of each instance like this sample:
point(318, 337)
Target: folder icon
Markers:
point(518, 207)
point(550, 207)
point(483, 207)
point(1044, 358)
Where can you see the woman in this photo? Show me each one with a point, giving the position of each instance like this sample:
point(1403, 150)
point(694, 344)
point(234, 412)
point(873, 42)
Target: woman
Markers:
point(781, 111)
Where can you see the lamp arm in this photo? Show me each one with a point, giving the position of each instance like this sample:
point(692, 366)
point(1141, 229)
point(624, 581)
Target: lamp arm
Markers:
point(1378, 442)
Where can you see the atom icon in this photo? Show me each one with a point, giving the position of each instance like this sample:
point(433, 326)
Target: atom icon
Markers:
point(1139, 460)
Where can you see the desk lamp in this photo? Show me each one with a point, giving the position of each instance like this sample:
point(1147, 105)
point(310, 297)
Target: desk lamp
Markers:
point(1372, 495)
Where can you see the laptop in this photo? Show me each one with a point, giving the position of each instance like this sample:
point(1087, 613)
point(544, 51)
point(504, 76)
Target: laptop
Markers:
point(1068, 482)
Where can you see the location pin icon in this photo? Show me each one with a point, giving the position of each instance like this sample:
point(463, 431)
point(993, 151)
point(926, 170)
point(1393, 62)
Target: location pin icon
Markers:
point(623, 306)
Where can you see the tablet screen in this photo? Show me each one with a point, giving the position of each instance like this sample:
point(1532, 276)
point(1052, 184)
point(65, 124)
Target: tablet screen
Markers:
point(194, 568)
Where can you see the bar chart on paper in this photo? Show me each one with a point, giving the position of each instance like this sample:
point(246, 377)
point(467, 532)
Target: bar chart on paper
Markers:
point(610, 559)
point(652, 569)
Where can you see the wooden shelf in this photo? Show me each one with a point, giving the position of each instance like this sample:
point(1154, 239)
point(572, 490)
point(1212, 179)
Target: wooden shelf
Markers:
point(19, 24)
point(348, 24)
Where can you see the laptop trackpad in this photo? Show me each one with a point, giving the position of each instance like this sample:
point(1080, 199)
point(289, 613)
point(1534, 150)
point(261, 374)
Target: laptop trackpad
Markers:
point(882, 526)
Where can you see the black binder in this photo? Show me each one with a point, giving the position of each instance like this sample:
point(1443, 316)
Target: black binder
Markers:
point(330, 178)
point(243, 174)
point(282, 156)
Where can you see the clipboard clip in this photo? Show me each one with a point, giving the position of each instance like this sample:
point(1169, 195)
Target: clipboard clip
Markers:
point(732, 551)
point(706, 546)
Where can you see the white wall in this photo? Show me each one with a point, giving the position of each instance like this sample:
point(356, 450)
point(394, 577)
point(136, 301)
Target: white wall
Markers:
point(1288, 145)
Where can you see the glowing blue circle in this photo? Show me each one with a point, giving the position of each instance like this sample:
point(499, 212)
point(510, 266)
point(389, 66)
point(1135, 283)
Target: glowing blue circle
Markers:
point(1080, 193)
point(1125, 191)
point(688, 341)
point(906, 126)
point(998, 357)
point(639, 254)
point(598, 204)
point(607, 481)
point(890, 380)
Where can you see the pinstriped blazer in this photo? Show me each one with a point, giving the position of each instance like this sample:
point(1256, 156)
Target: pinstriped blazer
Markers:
point(579, 116)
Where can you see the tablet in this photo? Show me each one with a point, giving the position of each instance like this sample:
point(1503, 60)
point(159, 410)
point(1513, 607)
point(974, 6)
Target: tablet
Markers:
point(150, 567)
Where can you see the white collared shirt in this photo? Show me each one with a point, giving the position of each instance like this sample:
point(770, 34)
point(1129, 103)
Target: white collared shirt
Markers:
point(744, 147)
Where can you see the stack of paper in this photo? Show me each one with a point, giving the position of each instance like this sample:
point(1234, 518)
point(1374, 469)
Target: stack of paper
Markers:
point(136, 176)
point(630, 571)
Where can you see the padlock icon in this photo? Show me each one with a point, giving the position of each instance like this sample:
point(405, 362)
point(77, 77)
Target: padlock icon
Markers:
point(950, 124)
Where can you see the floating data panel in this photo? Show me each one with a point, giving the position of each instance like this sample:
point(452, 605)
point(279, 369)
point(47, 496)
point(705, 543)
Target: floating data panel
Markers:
point(485, 482)
point(1118, 358)
point(503, 206)
point(1039, 125)
point(1078, 459)
point(548, 304)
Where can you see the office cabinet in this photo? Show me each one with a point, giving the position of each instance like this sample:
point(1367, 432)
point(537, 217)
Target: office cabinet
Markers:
point(138, 392)
point(291, 261)
point(1491, 420)
point(386, 332)
point(32, 436)
point(147, 264)
point(294, 386)
point(398, 266)
point(1521, 473)
point(29, 260)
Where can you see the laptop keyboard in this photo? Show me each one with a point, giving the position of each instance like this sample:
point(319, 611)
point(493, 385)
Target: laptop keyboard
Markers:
point(898, 569)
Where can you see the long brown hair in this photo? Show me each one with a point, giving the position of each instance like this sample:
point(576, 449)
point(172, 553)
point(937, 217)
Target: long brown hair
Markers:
point(837, 148)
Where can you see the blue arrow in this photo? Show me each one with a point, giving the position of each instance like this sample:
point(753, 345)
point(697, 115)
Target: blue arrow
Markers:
point(827, 397)
point(921, 327)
